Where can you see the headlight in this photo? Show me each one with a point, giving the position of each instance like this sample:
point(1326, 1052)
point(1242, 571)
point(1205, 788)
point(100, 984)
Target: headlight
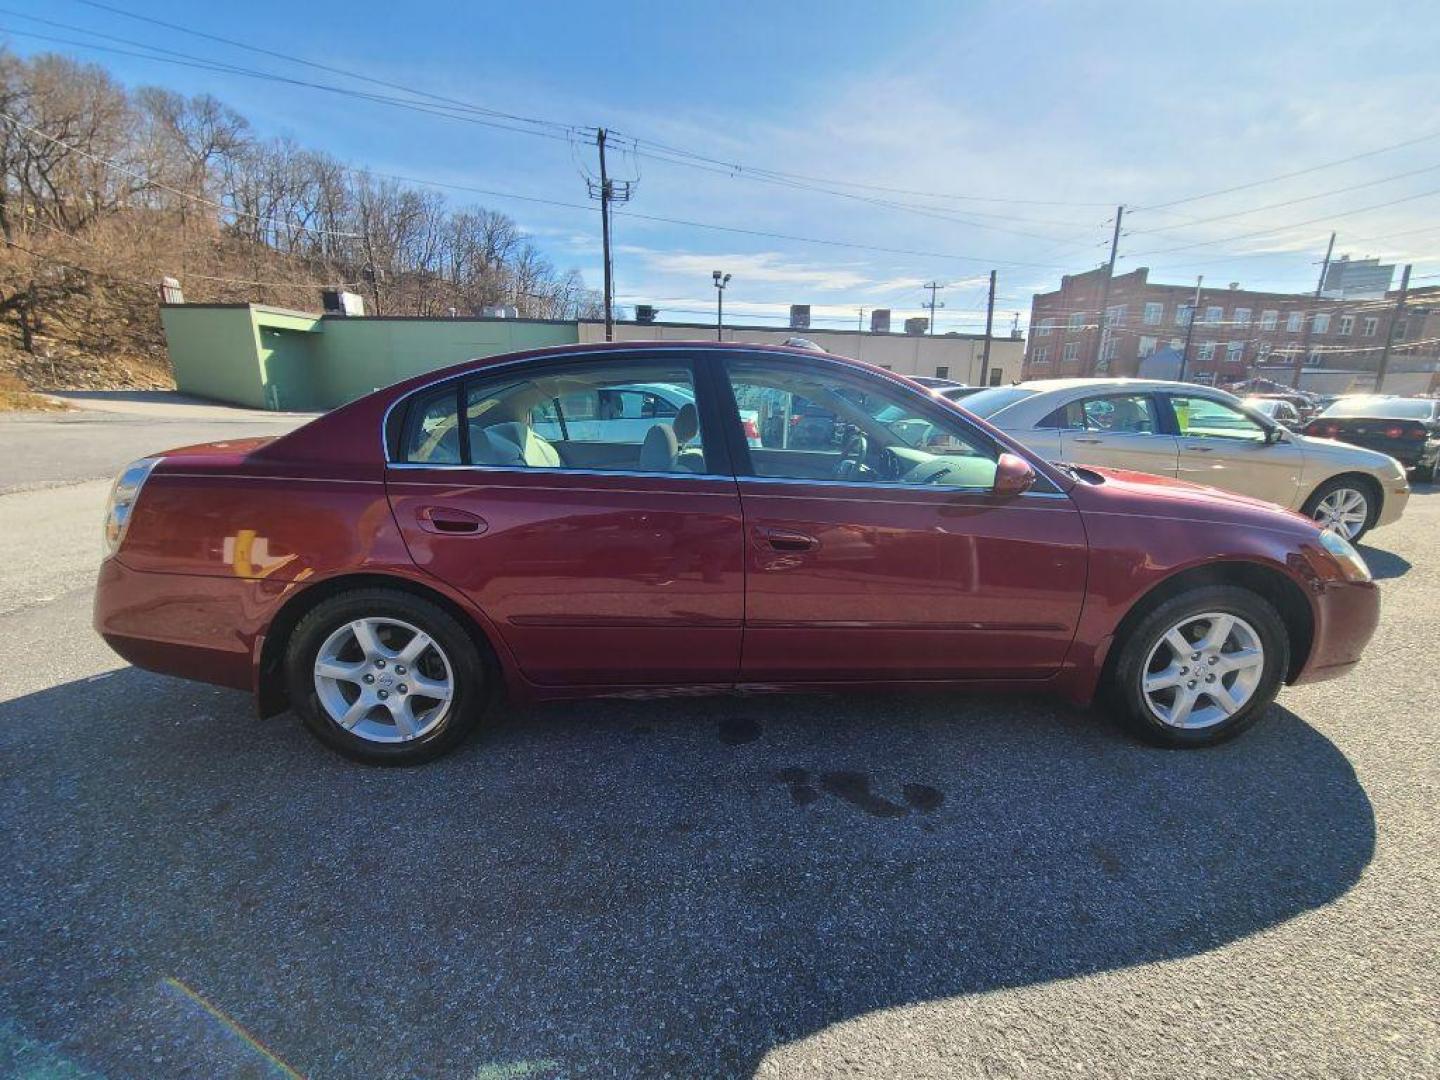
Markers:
point(123, 494)
point(1352, 563)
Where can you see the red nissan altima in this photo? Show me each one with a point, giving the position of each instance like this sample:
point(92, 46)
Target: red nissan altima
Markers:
point(638, 518)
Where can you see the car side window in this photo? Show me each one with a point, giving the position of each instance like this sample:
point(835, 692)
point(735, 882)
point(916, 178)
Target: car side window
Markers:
point(611, 415)
point(1206, 418)
point(1122, 414)
point(813, 421)
point(432, 432)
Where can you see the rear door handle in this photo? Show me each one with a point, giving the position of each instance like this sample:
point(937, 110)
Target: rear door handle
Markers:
point(1087, 439)
point(785, 539)
point(1199, 448)
point(447, 521)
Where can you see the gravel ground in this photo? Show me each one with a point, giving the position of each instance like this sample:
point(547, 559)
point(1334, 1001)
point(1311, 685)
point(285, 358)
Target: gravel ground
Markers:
point(806, 886)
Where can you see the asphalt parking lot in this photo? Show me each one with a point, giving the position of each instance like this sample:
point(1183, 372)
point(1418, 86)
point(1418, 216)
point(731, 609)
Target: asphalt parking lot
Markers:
point(808, 886)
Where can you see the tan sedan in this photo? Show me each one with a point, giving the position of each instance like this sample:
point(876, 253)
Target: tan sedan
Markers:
point(1201, 435)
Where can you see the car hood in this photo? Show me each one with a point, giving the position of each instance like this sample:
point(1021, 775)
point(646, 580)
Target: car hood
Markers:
point(1141, 494)
point(1347, 455)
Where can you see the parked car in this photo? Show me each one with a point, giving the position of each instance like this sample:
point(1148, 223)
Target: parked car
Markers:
point(1408, 429)
point(1277, 409)
point(1202, 435)
point(622, 413)
point(396, 567)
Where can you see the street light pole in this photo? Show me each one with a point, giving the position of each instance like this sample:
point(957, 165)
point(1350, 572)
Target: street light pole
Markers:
point(721, 280)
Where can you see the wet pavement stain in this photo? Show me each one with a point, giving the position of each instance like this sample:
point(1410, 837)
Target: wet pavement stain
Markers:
point(737, 730)
point(855, 788)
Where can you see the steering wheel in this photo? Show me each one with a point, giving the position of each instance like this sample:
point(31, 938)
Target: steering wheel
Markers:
point(854, 452)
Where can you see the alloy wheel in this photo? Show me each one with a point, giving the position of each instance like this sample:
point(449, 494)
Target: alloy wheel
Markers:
point(1345, 510)
point(384, 680)
point(1203, 670)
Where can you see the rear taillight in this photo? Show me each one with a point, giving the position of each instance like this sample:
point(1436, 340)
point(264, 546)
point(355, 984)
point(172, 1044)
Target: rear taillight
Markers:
point(123, 495)
point(1322, 430)
point(1418, 433)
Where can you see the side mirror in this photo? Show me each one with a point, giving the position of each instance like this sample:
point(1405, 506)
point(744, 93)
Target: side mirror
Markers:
point(1274, 434)
point(1013, 476)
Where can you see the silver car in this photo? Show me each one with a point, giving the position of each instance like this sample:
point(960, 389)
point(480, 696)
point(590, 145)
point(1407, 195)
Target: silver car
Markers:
point(1202, 435)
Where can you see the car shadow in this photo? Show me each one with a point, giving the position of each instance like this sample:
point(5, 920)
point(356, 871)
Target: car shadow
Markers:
point(1384, 564)
point(669, 887)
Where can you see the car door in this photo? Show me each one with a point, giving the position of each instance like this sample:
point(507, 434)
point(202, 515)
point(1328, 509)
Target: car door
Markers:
point(1117, 431)
point(879, 559)
point(597, 562)
point(1223, 446)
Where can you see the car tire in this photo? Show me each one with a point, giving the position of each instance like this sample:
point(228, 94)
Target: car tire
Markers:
point(1148, 708)
point(1338, 490)
point(349, 680)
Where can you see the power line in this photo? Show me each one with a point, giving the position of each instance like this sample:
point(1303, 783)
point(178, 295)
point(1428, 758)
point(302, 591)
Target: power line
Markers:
point(497, 113)
point(1290, 175)
point(1288, 202)
point(1282, 228)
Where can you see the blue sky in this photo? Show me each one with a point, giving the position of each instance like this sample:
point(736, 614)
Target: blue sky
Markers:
point(1018, 125)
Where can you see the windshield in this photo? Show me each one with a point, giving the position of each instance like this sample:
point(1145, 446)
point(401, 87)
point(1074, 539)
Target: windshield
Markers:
point(1392, 408)
point(990, 402)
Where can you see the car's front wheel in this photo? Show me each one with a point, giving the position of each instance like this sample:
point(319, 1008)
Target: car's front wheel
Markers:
point(385, 677)
point(1200, 668)
point(1346, 504)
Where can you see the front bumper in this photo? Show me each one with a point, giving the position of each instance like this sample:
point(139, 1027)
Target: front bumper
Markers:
point(1396, 498)
point(1346, 615)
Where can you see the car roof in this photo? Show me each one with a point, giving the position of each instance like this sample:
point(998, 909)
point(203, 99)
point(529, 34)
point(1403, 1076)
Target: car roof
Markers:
point(1047, 395)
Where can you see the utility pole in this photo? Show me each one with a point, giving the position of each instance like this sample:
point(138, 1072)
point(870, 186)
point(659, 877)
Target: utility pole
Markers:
point(860, 322)
point(1390, 331)
point(934, 287)
point(605, 194)
point(989, 326)
point(1105, 290)
point(1190, 329)
point(1308, 319)
point(720, 282)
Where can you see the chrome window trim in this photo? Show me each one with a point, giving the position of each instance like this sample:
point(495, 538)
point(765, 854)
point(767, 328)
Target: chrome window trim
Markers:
point(545, 470)
point(861, 486)
point(385, 418)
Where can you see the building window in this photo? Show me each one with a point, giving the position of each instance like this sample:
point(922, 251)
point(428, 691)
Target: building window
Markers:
point(1115, 314)
point(1214, 314)
point(1397, 332)
point(1321, 323)
point(1183, 313)
point(1268, 319)
point(1154, 313)
point(1347, 324)
point(1207, 350)
point(1071, 353)
point(1040, 354)
point(1263, 352)
point(1242, 316)
point(1235, 352)
point(1293, 322)
point(1111, 347)
point(1177, 344)
point(1369, 326)
point(1147, 346)
point(942, 372)
point(995, 376)
point(1077, 320)
point(1313, 360)
point(1046, 325)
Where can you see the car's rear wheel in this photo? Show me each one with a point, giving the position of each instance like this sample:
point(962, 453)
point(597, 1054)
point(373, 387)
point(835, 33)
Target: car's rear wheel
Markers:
point(385, 677)
point(1346, 504)
point(1200, 668)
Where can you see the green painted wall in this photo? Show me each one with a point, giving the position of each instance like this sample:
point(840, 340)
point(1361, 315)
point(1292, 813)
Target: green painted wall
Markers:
point(275, 359)
point(361, 355)
point(215, 353)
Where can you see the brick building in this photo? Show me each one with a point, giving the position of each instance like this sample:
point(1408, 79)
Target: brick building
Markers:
point(1237, 330)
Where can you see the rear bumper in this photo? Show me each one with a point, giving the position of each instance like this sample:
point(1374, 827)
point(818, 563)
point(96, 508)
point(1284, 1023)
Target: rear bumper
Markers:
point(1346, 615)
point(203, 628)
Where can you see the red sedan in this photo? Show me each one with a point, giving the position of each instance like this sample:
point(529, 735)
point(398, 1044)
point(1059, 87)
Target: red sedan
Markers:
point(600, 520)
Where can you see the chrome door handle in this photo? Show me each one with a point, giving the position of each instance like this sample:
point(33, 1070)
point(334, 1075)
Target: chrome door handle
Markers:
point(1199, 448)
point(1087, 439)
point(448, 521)
point(785, 539)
